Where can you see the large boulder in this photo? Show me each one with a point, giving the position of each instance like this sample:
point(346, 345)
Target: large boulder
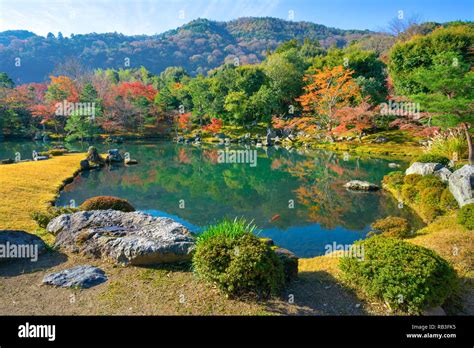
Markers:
point(20, 245)
point(423, 168)
point(358, 185)
point(461, 185)
point(77, 277)
point(443, 173)
point(131, 238)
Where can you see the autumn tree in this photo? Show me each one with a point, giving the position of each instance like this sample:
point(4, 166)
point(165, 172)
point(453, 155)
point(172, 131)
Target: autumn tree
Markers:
point(329, 90)
point(356, 119)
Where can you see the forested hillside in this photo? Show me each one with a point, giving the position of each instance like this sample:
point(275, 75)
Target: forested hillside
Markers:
point(198, 46)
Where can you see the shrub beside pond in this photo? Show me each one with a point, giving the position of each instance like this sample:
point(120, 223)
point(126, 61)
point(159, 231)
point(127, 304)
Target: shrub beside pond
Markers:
point(107, 202)
point(43, 218)
point(392, 226)
point(407, 277)
point(241, 264)
point(466, 216)
point(394, 180)
point(427, 194)
point(430, 158)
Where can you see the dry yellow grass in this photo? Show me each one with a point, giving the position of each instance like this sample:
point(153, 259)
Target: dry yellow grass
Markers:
point(31, 186)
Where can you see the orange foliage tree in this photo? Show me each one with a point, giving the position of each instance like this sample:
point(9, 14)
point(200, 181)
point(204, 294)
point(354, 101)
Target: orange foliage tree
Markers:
point(214, 127)
point(329, 90)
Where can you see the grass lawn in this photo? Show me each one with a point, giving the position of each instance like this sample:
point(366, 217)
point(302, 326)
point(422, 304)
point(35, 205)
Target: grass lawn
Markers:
point(31, 186)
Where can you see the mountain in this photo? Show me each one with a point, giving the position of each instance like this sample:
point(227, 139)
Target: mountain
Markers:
point(198, 46)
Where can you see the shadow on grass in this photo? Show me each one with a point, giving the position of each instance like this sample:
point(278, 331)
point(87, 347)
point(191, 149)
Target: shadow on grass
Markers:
point(317, 293)
point(51, 258)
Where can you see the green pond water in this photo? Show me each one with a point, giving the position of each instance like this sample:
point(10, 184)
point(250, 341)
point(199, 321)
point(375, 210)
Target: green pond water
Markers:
point(295, 197)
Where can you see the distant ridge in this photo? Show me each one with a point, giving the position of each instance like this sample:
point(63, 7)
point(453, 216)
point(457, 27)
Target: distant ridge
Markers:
point(198, 46)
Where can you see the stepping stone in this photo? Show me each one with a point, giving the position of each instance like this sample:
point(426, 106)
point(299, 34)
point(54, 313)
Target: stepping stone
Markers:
point(82, 277)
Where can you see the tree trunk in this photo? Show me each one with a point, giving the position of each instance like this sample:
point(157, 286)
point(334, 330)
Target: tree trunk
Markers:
point(469, 143)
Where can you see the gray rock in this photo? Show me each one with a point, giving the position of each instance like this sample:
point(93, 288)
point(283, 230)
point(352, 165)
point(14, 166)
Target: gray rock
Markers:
point(290, 263)
point(461, 185)
point(84, 165)
point(437, 311)
point(20, 244)
point(114, 155)
point(423, 168)
point(130, 161)
point(443, 173)
point(79, 277)
point(127, 238)
point(393, 165)
point(359, 185)
point(380, 140)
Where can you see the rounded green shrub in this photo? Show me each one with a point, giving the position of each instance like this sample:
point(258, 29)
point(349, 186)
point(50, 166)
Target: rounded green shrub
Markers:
point(107, 202)
point(429, 181)
point(407, 277)
point(429, 158)
point(448, 202)
point(430, 212)
point(409, 193)
point(43, 218)
point(57, 152)
point(431, 196)
point(392, 226)
point(466, 216)
point(239, 265)
point(412, 179)
point(393, 179)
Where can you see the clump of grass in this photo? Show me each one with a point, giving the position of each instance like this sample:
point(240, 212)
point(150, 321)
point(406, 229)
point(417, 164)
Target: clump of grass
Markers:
point(449, 142)
point(231, 229)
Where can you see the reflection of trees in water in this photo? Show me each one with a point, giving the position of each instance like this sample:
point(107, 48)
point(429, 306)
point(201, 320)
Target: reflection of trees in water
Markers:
point(169, 172)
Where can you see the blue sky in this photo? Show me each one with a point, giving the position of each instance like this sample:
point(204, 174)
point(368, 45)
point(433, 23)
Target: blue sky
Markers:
point(155, 16)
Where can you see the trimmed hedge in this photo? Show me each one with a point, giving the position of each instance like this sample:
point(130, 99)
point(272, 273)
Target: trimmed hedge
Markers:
point(407, 277)
point(466, 216)
point(428, 193)
point(429, 158)
point(239, 265)
point(43, 218)
point(394, 179)
point(105, 203)
point(392, 226)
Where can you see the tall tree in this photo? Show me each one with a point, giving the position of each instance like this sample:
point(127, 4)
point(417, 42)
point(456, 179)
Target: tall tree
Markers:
point(328, 90)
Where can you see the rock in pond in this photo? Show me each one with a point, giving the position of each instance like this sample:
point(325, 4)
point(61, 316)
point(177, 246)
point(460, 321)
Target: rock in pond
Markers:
point(131, 238)
point(78, 277)
point(114, 155)
point(423, 168)
point(461, 185)
point(358, 185)
point(84, 165)
point(20, 245)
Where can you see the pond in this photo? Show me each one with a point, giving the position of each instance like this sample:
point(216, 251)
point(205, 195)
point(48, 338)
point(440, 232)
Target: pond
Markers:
point(295, 197)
